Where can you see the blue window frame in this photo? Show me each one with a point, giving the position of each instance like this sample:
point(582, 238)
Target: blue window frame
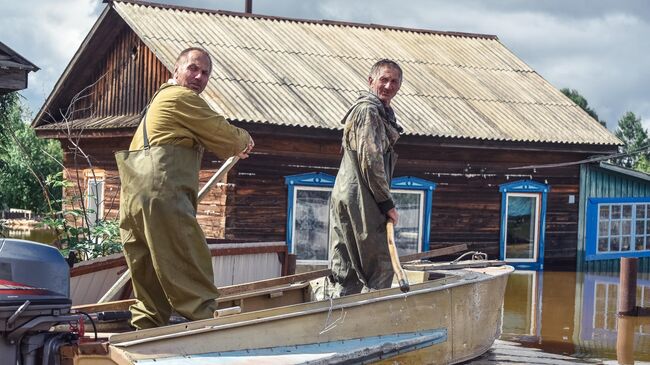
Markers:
point(523, 221)
point(617, 227)
point(308, 215)
point(412, 197)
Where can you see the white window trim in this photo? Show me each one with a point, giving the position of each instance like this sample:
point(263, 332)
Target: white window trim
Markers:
point(421, 194)
point(536, 234)
point(293, 226)
point(95, 203)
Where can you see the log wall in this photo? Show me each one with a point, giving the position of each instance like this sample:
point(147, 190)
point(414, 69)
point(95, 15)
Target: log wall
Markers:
point(12, 80)
point(100, 151)
point(466, 205)
point(123, 81)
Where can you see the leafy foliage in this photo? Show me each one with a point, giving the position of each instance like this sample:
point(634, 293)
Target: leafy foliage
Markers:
point(635, 139)
point(31, 177)
point(87, 239)
point(580, 100)
point(25, 160)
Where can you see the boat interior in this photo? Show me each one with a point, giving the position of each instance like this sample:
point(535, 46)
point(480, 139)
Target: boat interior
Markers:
point(255, 299)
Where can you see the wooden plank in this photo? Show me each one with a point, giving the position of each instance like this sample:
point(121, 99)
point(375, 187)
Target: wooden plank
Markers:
point(434, 253)
point(284, 280)
point(506, 352)
point(118, 305)
point(13, 79)
point(98, 266)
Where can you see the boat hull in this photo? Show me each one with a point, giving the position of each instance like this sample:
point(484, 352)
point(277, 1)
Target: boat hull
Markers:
point(465, 304)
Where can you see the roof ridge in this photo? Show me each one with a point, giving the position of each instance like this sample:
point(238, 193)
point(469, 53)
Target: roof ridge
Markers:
point(302, 20)
point(353, 57)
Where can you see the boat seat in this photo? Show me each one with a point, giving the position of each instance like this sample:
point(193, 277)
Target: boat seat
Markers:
point(273, 296)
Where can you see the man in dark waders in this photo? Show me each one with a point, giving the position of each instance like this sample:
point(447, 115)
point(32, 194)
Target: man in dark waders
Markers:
point(166, 251)
point(361, 200)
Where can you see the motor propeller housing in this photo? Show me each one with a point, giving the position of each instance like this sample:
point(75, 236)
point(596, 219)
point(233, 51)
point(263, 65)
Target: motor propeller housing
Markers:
point(34, 289)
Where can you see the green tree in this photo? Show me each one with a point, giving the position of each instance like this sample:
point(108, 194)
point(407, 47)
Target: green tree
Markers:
point(580, 100)
point(31, 177)
point(635, 139)
point(25, 160)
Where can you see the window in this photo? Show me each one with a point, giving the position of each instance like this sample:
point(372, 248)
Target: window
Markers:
point(412, 198)
point(309, 206)
point(311, 223)
point(522, 226)
point(523, 212)
point(94, 195)
point(308, 217)
point(617, 227)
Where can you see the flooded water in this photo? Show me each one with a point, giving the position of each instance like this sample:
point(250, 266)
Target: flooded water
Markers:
point(45, 236)
point(575, 314)
point(559, 312)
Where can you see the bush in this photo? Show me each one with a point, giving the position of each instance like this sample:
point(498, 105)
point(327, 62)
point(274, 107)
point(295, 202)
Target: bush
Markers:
point(87, 240)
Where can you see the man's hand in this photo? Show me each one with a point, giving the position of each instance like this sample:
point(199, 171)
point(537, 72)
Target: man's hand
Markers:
point(392, 215)
point(249, 148)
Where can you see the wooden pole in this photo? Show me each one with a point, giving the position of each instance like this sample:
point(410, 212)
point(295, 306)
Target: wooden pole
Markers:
point(218, 176)
point(394, 258)
point(625, 340)
point(249, 7)
point(627, 286)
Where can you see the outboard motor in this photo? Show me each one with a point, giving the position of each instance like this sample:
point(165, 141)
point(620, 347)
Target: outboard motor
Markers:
point(34, 290)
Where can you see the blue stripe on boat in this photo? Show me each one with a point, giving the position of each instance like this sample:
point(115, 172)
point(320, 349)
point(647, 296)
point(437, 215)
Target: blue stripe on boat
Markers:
point(361, 350)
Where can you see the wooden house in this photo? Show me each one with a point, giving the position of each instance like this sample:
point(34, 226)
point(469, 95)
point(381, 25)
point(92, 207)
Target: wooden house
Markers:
point(614, 218)
point(471, 110)
point(13, 70)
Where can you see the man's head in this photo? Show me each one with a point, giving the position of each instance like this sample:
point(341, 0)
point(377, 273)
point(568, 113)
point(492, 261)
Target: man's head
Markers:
point(192, 69)
point(385, 79)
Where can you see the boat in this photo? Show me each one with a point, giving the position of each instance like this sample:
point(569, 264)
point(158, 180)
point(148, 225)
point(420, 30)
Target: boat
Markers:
point(451, 313)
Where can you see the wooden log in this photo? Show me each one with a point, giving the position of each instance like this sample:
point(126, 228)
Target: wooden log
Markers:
point(625, 340)
point(627, 286)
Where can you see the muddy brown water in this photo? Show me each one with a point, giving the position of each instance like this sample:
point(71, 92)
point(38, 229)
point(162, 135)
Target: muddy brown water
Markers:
point(575, 314)
point(45, 236)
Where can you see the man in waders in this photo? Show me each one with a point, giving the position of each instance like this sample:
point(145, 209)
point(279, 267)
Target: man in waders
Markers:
point(361, 201)
point(166, 251)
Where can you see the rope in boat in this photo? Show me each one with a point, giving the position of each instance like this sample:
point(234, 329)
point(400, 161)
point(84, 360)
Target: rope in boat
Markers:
point(476, 256)
point(328, 325)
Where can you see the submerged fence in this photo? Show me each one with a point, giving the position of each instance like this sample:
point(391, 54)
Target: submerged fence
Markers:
point(14, 213)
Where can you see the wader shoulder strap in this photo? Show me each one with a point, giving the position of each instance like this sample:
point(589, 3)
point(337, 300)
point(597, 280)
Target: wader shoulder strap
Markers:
point(144, 121)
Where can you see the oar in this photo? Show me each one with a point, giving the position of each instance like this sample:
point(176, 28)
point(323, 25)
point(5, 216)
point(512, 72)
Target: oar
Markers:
point(218, 176)
point(394, 259)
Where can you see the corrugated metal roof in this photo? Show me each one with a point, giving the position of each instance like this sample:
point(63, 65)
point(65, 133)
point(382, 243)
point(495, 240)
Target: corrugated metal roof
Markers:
point(306, 73)
point(117, 121)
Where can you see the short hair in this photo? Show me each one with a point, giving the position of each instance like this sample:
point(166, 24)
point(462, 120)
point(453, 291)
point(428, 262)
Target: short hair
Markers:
point(384, 62)
point(183, 55)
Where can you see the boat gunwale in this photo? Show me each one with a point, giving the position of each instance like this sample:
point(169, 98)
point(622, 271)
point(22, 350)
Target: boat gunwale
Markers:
point(123, 340)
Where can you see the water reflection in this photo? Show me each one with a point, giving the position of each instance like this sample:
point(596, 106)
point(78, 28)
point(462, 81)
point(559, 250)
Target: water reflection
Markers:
point(45, 236)
point(575, 314)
